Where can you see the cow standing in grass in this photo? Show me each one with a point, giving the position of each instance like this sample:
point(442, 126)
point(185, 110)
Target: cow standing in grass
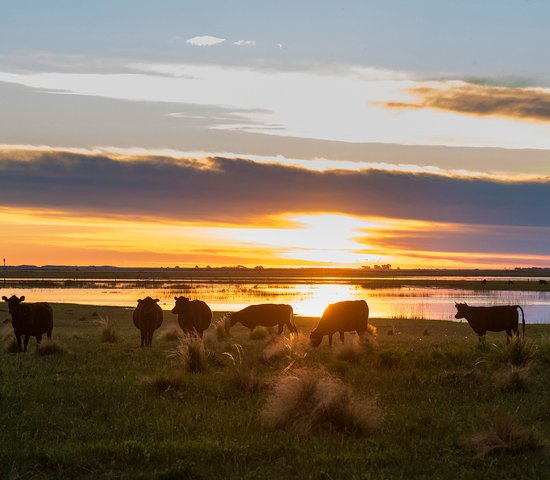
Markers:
point(194, 316)
point(346, 316)
point(264, 315)
point(29, 319)
point(498, 318)
point(147, 318)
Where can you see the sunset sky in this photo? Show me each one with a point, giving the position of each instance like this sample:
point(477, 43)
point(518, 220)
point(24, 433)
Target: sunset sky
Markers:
point(330, 133)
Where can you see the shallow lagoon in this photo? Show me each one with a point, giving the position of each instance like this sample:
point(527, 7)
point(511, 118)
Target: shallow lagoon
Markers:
point(307, 297)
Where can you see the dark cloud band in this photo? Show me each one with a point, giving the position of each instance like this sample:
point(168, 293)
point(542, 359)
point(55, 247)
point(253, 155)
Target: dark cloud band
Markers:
point(232, 191)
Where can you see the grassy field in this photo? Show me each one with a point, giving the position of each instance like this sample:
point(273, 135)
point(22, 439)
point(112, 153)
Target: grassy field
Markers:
point(420, 400)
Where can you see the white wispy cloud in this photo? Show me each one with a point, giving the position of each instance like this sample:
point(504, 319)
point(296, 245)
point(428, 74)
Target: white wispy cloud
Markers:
point(245, 43)
point(204, 41)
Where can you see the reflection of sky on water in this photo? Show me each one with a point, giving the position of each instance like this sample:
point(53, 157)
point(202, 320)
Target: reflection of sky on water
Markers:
point(308, 299)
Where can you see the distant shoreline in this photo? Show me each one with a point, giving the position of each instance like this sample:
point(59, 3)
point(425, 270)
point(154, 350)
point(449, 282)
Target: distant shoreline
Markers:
point(252, 274)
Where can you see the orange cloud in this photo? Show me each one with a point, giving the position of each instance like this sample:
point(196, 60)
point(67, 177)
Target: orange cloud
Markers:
point(481, 100)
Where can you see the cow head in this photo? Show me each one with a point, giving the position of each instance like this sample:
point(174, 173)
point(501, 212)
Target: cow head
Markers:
point(13, 302)
point(315, 339)
point(461, 310)
point(148, 303)
point(181, 304)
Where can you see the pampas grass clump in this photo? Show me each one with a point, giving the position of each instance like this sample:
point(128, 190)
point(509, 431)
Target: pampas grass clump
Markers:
point(518, 352)
point(349, 351)
point(292, 348)
point(503, 437)
point(513, 379)
point(191, 351)
point(259, 333)
point(107, 332)
point(306, 401)
point(242, 376)
point(50, 347)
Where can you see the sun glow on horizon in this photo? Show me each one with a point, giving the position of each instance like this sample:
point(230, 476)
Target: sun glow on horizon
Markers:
point(43, 237)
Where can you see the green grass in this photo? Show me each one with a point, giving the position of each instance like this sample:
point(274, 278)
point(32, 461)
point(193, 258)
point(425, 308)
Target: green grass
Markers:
point(115, 410)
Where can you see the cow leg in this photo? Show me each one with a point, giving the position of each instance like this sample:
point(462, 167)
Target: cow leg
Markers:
point(362, 335)
point(330, 339)
point(142, 338)
point(38, 339)
point(19, 342)
point(26, 342)
point(508, 336)
point(150, 338)
point(341, 336)
point(49, 334)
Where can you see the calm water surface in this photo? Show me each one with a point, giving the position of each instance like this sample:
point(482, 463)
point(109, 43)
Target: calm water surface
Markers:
point(306, 298)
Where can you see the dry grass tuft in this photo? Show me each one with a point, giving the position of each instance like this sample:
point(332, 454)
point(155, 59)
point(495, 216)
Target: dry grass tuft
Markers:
point(190, 349)
point(50, 347)
point(219, 331)
point(10, 344)
point(242, 377)
point(259, 333)
point(518, 352)
point(513, 379)
point(293, 348)
point(372, 330)
point(349, 351)
point(107, 331)
point(171, 334)
point(307, 401)
point(504, 437)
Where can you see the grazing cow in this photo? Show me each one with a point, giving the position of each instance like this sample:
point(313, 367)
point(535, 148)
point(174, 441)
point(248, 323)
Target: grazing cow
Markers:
point(483, 282)
point(543, 282)
point(510, 282)
point(29, 319)
point(264, 315)
point(347, 316)
point(492, 319)
point(194, 316)
point(147, 318)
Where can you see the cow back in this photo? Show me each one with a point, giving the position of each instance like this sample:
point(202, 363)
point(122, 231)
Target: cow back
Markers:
point(348, 315)
point(265, 315)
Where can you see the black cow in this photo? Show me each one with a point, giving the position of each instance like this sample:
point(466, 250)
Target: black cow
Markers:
point(543, 282)
point(265, 315)
point(29, 319)
point(498, 318)
point(346, 316)
point(194, 316)
point(147, 318)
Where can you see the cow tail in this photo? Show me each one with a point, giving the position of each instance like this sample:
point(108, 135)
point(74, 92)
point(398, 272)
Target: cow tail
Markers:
point(522, 321)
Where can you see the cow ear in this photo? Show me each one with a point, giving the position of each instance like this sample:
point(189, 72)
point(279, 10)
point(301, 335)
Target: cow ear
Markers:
point(140, 300)
point(4, 298)
point(176, 299)
point(157, 300)
point(22, 298)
